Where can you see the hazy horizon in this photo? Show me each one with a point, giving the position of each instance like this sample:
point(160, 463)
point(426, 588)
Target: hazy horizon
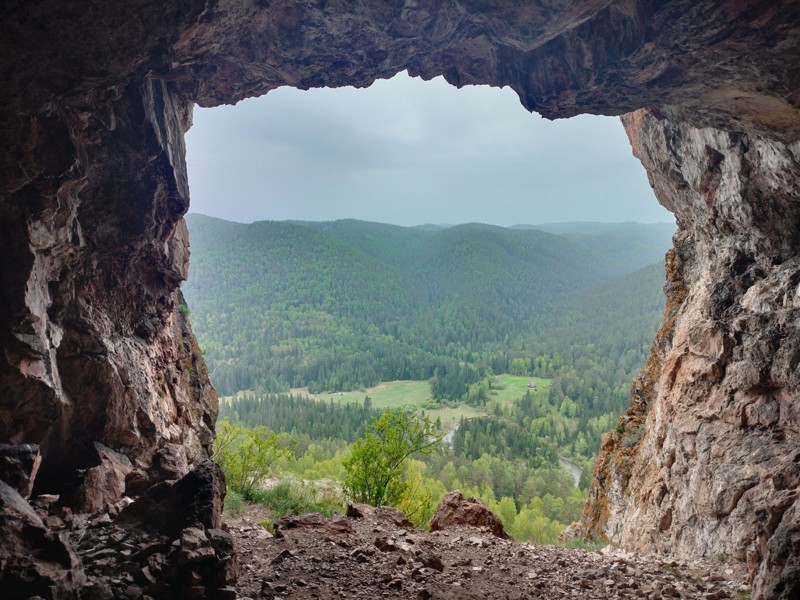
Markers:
point(409, 152)
point(667, 221)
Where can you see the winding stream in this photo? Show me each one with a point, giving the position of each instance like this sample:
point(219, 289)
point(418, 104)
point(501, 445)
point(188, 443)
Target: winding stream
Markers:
point(572, 467)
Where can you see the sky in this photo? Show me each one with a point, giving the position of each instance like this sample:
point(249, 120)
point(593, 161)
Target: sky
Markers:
point(410, 152)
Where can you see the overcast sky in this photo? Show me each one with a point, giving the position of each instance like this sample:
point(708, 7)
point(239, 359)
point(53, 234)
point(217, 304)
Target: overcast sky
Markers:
point(409, 152)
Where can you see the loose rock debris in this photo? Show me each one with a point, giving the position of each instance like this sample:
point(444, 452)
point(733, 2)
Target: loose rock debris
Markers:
point(379, 555)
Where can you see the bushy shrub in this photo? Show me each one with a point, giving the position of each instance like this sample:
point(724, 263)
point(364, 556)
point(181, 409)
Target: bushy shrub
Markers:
point(234, 503)
point(247, 454)
point(376, 470)
point(296, 498)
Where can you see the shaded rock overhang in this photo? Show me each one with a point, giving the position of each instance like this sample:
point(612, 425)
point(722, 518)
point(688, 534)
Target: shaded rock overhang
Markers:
point(95, 100)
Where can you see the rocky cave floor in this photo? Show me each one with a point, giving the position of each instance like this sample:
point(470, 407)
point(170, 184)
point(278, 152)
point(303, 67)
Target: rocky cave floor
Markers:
point(372, 553)
point(379, 555)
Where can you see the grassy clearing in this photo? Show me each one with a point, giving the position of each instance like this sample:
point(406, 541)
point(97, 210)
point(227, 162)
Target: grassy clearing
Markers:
point(450, 416)
point(415, 394)
point(392, 394)
point(402, 394)
point(514, 387)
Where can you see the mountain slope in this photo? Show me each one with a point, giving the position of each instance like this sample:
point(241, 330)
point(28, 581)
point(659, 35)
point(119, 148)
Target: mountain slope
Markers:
point(345, 304)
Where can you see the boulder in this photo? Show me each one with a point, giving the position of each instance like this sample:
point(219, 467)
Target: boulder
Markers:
point(34, 561)
point(194, 500)
point(102, 485)
point(454, 510)
point(18, 466)
point(169, 464)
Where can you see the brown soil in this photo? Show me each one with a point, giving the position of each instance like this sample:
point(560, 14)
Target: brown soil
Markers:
point(380, 556)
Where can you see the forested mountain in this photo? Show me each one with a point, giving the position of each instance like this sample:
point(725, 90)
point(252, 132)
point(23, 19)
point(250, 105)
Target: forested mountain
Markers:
point(477, 311)
point(346, 304)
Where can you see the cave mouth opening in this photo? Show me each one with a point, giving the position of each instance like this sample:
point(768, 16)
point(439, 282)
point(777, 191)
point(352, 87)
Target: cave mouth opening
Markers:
point(329, 154)
point(410, 152)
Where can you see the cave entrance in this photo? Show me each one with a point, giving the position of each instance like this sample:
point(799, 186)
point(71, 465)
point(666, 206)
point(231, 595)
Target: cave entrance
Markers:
point(411, 153)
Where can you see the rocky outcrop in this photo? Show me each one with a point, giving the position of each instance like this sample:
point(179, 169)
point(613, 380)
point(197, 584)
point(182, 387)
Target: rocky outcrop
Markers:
point(170, 507)
point(95, 348)
point(18, 466)
point(167, 544)
point(707, 460)
point(34, 561)
point(94, 103)
point(456, 511)
point(100, 486)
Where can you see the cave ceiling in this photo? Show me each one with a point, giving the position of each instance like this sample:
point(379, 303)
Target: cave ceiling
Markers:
point(732, 63)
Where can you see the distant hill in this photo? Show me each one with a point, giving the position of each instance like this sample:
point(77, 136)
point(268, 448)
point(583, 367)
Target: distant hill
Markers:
point(430, 227)
point(345, 304)
point(627, 245)
point(595, 228)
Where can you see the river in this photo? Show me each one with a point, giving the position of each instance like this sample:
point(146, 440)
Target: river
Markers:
point(572, 467)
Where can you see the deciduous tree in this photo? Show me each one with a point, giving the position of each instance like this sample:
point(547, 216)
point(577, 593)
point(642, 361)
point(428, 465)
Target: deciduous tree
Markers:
point(375, 471)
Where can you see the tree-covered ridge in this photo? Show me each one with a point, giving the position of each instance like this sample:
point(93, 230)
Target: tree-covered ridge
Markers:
point(346, 304)
point(301, 416)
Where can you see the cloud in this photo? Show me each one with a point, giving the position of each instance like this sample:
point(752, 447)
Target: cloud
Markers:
point(406, 151)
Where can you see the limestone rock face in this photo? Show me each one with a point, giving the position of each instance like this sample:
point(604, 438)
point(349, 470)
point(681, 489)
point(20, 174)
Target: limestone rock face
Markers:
point(706, 461)
point(95, 100)
point(93, 253)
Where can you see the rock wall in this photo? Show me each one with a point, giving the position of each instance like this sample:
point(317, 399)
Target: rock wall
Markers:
point(707, 460)
point(93, 251)
point(98, 361)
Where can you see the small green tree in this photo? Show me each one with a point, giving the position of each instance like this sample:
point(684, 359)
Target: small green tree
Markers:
point(375, 472)
point(247, 454)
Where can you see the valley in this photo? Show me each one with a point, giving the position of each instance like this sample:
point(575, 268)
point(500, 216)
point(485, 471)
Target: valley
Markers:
point(519, 343)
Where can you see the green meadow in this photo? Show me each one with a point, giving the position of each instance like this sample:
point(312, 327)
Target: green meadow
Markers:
point(513, 387)
point(416, 395)
point(391, 394)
